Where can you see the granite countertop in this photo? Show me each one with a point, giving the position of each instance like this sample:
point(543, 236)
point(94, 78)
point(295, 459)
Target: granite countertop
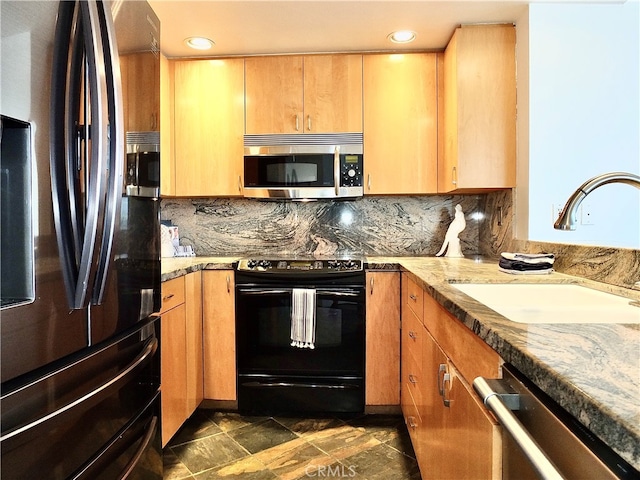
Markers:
point(591, 370)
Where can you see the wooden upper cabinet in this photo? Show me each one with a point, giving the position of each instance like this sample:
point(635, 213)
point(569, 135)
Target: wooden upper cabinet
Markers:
point(333, 93)
point(303, 94)
point(167, 160)
point(479, 109)
point(209, 127)
point(400, 123)
point(140, 74)
point(273, 94)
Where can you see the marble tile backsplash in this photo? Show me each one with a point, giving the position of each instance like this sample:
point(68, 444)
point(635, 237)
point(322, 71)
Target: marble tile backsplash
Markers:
point(615, 266)
point(394, 226)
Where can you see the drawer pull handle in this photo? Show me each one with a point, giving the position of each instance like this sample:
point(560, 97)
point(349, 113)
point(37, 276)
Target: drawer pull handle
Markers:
point(442, 368)
point(413, 379)
point(445, 379)
point(168, 297)
point(412, 422)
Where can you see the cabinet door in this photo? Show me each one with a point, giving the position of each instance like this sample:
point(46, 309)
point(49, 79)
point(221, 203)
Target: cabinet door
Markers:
point(432, 442)
point(400, 123)
point(167, 157)
point(382, 382)
point(333, 93)
point(173, 371)
point(209, 127)
point(460, 439)
point(219, 335)
point(471, 436)
point(479, 109)
point(140, 92)
point(194, 347)
point(274, 95)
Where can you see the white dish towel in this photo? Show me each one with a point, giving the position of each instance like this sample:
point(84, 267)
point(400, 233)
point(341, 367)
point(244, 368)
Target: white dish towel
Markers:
point(303, 317)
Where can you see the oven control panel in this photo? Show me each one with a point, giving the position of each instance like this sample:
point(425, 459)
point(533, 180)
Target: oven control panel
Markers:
point(315, 266)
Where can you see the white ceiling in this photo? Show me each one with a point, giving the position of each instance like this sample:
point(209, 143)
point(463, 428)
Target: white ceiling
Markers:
point(250, 27)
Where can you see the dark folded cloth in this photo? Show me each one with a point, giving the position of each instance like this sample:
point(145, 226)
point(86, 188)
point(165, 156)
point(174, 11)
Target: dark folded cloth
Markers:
point(523, 266)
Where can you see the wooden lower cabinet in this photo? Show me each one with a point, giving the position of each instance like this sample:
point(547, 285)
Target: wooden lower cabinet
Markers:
point(382, 365)
point(180, 351)
point(219, 335)
point(173, 371)
point(194, 320)
point(453, 435)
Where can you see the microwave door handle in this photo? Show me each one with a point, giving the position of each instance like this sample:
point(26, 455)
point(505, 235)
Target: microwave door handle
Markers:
point(115, 139)
point(336, 169)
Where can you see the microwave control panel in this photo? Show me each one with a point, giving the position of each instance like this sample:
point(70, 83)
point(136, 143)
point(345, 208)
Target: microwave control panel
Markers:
point(351, 170)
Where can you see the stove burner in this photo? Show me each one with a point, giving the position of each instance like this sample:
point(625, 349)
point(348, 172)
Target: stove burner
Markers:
point(301, 266)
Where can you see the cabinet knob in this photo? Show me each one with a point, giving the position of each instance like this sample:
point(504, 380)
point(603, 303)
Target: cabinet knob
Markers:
point(413, 297)
point(413, 379)
point(413, 335)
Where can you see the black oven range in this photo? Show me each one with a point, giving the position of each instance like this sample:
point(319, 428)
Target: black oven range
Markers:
point(300, 336)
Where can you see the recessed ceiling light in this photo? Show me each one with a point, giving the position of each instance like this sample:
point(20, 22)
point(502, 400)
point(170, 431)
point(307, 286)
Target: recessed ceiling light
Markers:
point(402, 36)
point(199, 43)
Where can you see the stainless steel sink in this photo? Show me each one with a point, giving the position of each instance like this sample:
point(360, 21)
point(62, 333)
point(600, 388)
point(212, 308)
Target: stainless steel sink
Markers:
point(552, 303)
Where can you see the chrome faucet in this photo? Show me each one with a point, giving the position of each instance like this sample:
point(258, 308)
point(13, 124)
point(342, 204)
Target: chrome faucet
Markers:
point(567, 218)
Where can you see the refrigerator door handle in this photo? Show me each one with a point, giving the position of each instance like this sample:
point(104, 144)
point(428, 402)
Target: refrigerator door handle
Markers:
point(78, 217)
point(96, 165)
point(65, 143)
point(116, 149)
point(145, 354)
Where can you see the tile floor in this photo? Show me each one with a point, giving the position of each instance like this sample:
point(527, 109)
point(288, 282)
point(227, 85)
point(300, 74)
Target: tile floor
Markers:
point(213, 445)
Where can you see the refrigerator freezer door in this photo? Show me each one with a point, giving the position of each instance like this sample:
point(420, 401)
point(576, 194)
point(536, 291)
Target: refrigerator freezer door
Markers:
point(73, 419)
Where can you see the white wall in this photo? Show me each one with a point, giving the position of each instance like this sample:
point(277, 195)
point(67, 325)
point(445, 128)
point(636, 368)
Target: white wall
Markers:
point(579, 116)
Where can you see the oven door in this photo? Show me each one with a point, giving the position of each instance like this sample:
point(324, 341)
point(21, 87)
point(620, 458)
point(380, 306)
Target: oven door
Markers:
point(263, 329)
point(293, 176)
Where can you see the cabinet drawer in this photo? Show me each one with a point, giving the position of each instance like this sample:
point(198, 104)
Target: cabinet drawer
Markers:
point(412, 419)
point(415, 298)
point(470, 354)
point(172, 294)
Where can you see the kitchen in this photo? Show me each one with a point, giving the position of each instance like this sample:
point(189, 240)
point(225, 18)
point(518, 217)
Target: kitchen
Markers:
point(223, 228)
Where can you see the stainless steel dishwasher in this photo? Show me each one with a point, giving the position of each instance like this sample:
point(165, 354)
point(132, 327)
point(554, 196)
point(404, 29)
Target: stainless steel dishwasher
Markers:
point(542, 440)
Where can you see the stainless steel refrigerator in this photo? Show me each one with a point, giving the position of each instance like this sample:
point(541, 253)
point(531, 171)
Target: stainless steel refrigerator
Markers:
point(80, 250)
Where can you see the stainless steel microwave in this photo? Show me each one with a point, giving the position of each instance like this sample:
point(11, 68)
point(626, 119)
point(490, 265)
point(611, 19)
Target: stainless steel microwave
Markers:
point(305, 166)
point(142, 176)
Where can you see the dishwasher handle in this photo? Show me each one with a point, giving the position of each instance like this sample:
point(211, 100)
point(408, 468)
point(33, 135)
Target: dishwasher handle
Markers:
point(545, 468)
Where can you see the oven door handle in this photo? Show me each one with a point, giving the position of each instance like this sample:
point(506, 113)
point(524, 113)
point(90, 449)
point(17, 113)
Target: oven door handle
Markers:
point(329, 293)
point(299, 384)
